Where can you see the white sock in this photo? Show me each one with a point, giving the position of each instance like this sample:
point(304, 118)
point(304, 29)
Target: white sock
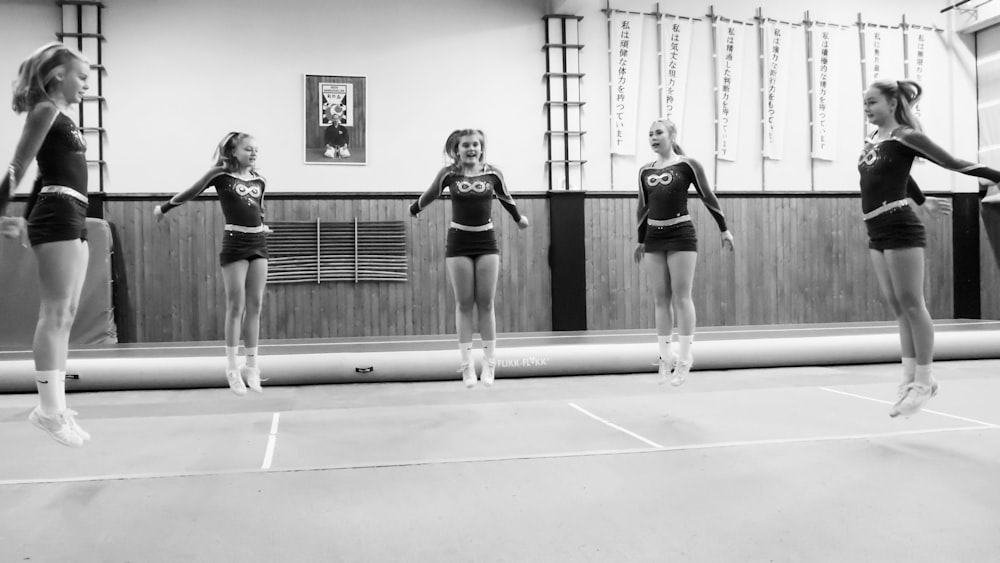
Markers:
point(60, 382)
point(251, 357)
point(664, 342)
point(489, 349)
point(48, 389)
point(684, 352)
point(923, 374)
point(909, 368)
point(466, 349)
point(231, 363)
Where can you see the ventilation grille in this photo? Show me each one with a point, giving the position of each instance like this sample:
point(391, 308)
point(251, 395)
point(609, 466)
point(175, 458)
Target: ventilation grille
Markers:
point(320, 252)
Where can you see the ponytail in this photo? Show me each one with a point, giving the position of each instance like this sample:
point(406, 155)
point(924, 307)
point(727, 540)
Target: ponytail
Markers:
point(906, 93)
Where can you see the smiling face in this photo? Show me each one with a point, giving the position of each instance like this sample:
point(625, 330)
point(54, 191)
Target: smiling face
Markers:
point(878, 108)
point(661, 138)
point(469, 150)
point(245, 152)
point(71, 81)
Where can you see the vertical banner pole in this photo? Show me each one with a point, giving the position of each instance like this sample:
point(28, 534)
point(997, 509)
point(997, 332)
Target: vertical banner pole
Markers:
point(715, 91)
point(864, 68)
point(611, 97)
point(763, 96)
point(808, 25)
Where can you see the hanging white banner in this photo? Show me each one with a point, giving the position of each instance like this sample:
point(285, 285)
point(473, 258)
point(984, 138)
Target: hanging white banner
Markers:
point(917, 59)
point(626, 51)
point(825, 53)
point(676, 47)
point(883, 55)
point(777, 65)
point(729, 82)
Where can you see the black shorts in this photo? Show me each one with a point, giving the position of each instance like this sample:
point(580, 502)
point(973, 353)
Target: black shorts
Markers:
point(471, 243)
point(57, 217)
point(680, 237)
point(899, 228)
point(238, 246)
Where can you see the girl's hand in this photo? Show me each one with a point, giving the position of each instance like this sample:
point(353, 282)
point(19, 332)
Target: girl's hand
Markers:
point(14, 228)
point(937, 205)
point(640, 250)
point(727, 240)
point(523, 223)
point(158, 213)
point(267, 230)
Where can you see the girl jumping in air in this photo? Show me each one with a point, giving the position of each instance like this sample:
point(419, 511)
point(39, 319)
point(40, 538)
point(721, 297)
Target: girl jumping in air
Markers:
point(668, 241)
point(895, 233)
point(49, 83)
point(472, 254)
point(244, 249)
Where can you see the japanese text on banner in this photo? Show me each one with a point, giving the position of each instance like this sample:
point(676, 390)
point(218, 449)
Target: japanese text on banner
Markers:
point(676, 47)
point(825, 53)
point(626, 51)
point(777, 63)
point(729, 79)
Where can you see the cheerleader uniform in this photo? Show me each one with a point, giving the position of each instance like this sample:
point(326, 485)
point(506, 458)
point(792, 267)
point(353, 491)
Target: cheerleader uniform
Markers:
point(887, 188)
point(664, 223)
point(471, 231)
point(244, 237)
point(57, 207)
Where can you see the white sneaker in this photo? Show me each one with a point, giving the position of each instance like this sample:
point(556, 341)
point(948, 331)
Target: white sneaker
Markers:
point(681, 370)
point(330, 152)
point(666, 367)
point(252, 376)
point(489, 372)
point(904, 385)
point(71, 418)
point(56, 426)
point(917, 395)
point(236, 382)
point(468, 372)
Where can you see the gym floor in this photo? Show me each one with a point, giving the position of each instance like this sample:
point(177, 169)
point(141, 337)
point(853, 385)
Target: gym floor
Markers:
point(777, 464)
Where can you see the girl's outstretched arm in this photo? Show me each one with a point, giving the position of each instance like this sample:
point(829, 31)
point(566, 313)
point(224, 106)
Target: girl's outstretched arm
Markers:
point(187, 195)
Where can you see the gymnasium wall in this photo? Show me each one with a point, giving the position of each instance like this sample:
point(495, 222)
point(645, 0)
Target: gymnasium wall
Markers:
point(949, 103)
point(183, 72)
point(175, 292)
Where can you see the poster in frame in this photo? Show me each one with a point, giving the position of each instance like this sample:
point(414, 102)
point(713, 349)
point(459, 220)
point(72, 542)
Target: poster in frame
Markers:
point(335, 119)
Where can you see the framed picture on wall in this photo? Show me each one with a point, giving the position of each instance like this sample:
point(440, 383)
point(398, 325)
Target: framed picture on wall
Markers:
point(335, 120)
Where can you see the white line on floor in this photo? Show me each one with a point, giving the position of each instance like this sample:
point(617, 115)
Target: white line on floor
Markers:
point(939, 413)
point(491, 459)
point(271, 439)
point(615, 426)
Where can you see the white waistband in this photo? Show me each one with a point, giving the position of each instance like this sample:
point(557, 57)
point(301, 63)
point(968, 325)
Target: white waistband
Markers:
point(668, 222)
point(475, 229)
point(242, 229)
point(885, 208)
point(63, 190)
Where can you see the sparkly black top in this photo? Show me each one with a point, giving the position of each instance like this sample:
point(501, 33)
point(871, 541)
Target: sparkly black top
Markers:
point(885, 165)
point(471, 196)
point(663, 193)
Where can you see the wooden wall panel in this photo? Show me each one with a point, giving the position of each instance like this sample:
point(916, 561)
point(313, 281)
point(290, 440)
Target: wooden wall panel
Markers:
point(176, 291)
point(989, 250)
point(797, 260)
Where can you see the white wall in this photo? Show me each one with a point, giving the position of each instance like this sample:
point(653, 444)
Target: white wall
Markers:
point(183, 72)
point(950, 116)
point(24, 26)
